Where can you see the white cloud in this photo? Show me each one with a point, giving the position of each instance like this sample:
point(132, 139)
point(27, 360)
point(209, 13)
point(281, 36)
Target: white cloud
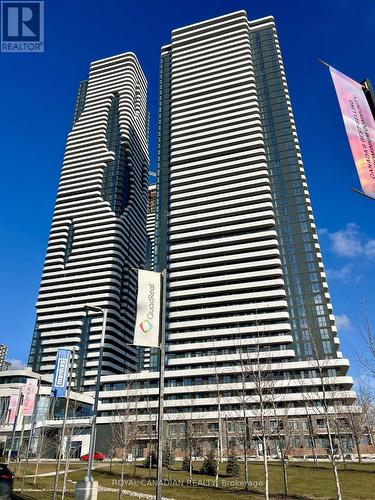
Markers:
point(350, 242)
point(342, 274)
point(369, 248)
point(346, 242)
point(16, 364)
point(343, 323)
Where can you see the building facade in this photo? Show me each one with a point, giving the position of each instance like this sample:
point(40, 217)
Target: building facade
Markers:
point(248, 302)
point(241, 246)
point(250, 334)
point(49, 415)
point(98, 231)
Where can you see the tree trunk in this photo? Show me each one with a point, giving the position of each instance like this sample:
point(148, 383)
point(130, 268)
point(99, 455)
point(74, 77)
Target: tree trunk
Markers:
point(217, 465)
point(357, 444)
point(246, 470)
point(313, 446)
point(36, 469)
point(66, 471)
point(150, 465)
point(370, 436)
point(191, 467)
point(333, 460)
point(338, 489)
point(343, 457)
point(285, 472)
point(122, 478)
point(170, 460)
point(266, 474)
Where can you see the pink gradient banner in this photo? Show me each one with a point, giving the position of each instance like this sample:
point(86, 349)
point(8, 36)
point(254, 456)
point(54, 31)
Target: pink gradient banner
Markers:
point(12, 409)
point(360, 127)
point(29, 395)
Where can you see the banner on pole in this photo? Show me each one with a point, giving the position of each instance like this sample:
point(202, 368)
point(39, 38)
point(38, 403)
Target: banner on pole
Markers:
point(60, 375)
point(12, 409)
point(360, 127)
point(29, 396)
point(147, 323)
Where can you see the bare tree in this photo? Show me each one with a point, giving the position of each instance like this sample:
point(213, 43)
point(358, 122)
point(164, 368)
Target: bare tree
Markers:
point(264, 383)
point(257, 375)
point(312, 435)
point(219, 444)
point(260, 375)
point(75, 427)
point(367, 355)
point(168, 454)
point(192, 436)
point(340, 430)
point(321, 404)
point(125, 429)
point(283, 431)
point(243, 428)
point(358, 418)
point(45, 444)
point(150, 430)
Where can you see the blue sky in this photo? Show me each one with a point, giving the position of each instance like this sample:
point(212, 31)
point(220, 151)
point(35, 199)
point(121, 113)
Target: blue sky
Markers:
point(37, 99)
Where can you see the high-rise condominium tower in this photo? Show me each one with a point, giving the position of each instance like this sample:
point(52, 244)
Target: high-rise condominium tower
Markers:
point(250, 330)
point(235, 225)
point(98, 232)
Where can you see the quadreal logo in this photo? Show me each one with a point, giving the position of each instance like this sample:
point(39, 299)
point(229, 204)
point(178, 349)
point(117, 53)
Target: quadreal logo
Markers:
point(22, 26)
point(146, 325)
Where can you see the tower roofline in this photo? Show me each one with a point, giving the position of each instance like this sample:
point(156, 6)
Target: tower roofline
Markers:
point(238, 13)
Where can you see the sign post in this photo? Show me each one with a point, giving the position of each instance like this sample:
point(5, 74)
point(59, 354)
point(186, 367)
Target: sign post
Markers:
point(60, 375)
point(31, 433)
point(150, 332)
point(159, 484)
point(59, 387)
point(13, 409)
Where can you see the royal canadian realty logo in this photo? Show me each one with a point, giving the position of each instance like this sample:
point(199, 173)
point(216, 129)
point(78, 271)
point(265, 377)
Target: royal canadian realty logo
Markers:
point(22, 26)
point(145, 326)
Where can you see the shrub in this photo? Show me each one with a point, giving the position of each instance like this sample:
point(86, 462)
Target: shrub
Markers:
point(233, 467)
point(186, 463)
point(209, 464)
point(168, 457)
point(154, 460)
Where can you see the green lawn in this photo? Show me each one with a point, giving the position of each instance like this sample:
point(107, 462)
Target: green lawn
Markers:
point(305, 482)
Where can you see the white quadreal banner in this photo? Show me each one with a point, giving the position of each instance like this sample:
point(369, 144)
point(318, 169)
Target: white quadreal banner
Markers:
point(147, 323)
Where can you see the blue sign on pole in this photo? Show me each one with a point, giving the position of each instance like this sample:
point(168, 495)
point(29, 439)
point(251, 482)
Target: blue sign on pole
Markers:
point(60, 376)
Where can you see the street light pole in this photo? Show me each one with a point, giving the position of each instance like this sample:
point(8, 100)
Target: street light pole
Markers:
point(87, 489)
point(96, 398)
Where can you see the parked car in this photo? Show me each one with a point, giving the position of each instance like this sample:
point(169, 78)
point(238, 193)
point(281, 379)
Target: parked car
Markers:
point(6, 482)
point(98, 455)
